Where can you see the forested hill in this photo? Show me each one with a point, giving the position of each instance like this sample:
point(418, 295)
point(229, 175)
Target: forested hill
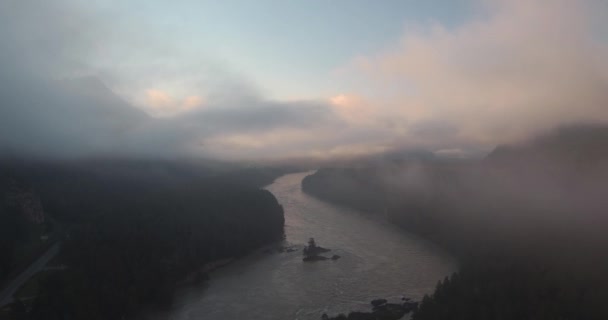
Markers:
point(528, 223)
point(131, 230)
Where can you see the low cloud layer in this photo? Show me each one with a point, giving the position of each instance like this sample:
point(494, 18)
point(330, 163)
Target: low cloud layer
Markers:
point(516, 69)
point(82, 117)
point(520, 68)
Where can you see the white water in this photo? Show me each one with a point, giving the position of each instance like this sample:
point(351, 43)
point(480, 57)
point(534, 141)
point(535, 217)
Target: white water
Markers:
point(378, 261)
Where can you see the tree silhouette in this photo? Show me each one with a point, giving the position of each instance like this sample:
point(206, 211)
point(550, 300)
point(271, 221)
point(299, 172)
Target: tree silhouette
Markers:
point(310, 250)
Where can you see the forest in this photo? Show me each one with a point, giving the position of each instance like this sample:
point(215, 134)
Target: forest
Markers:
point(527, 223)
point(131, 231)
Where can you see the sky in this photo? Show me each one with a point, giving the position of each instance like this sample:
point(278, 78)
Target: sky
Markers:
point(286, 48)
point(318, 78)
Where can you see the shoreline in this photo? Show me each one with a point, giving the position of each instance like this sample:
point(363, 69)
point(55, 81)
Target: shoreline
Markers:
point(189, 283)
point(202, 273)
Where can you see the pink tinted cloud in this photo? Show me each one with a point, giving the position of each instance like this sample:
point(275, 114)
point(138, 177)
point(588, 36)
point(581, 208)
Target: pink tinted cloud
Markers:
point(518, 68)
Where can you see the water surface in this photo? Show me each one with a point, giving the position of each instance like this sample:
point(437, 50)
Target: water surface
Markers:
point(378, 261)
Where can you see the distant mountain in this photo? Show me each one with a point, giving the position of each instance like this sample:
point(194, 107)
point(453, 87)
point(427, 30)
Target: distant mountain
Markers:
point(103, 101)
point(78, 116)
point(571, 145)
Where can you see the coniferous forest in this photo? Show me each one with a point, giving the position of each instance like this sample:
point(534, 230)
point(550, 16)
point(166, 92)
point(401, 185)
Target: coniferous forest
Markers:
point(527, 223)
point(129, 234)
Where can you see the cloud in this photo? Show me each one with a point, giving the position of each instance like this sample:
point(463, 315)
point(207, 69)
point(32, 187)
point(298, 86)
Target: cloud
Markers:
point(82, 117)
point(354, 109)
point(518, 68)
point(515, 69)
point(48, 109)
point(159, 103)
point(450, 153)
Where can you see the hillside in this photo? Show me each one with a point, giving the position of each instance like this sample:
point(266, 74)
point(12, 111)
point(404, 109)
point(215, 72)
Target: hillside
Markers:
point(133, 231)
point(527, 223)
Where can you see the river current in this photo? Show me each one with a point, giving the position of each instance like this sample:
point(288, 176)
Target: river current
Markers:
point(378, 260)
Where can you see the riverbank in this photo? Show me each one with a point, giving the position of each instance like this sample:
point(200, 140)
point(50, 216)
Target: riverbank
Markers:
point(6, 295)
point(202, 274)
point(381, 310)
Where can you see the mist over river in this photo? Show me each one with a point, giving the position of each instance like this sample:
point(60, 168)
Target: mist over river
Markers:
point(378, 260)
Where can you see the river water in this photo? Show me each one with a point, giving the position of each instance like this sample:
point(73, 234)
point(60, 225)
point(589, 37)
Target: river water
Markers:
point(378, 260)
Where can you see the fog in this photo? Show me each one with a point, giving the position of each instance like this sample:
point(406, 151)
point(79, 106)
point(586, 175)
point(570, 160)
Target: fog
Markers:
point(520, 68)
point(544, 197)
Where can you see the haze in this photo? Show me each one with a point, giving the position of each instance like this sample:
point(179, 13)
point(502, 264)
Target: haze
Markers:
point(270, 79)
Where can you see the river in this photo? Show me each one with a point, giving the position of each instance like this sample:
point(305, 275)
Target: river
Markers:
point(378, 260)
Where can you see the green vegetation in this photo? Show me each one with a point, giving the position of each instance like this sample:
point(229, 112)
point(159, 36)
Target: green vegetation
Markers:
point(528, 224)
point(20, 239)
point(311, 249)
point(30, 288)
point(131, 234)
point(508, 289)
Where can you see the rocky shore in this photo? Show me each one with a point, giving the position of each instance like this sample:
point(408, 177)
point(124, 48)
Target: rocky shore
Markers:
point(381, 310)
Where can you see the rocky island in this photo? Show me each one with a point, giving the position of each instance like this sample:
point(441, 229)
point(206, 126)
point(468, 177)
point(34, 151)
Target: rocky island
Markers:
point(312, 252)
